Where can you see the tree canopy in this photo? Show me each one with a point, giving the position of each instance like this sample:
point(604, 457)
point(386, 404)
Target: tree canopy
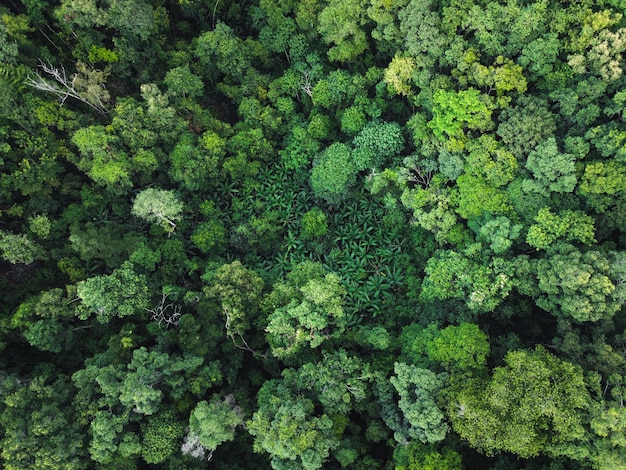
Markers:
point(312, 234)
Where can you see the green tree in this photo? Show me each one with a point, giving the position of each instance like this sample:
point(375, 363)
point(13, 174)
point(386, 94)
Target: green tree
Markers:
point(431, 202)
point(314, 224)
point(553, 171)
point(376, 144)
point(148, 128)
point(194, 164)
point(281, 26)
point(18, 249)
point(49, 335)
point(160, 437)
point(503, 76)
point(338, 88)
point(121, 293)
point(39, 429)
point(334, 173)
point(107, 242)
point(238, 290)
point(418, 389)
point(566, 226)
point(287, 428)
point(525, 125)
point(576, 284)
point(337, 382)
point(499, 233)
point(152, 375)
point(40, 225)
point(421, 31)
point(387, 31)
point(608, 424)
point(488, 160)
point(209, 236)
point(182, 82)
point(214, 423)
point(475, 198)
point(417, 456)
point(540, 55)
point(105, 431)
point(221, 51)
point(608, 139)
point(531, 403)
point(505, 28)
point(306, 310)
point(450, 274)
point(340, 24)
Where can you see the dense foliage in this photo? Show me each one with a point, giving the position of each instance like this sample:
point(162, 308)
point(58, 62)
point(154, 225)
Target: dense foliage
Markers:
point(304, 234)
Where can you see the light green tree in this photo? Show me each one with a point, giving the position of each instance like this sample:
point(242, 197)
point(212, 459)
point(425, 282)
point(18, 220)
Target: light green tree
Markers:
point(534, 401)
point(102, 158)
point(158, 206)
point(500, 233)
point(313, 224)
point(398, 74)
point(455, 349)
point(459, 347)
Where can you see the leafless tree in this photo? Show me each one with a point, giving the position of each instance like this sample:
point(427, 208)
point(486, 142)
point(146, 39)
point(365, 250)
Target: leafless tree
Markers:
point(306, 86)
point(58, 83)
point(191, 446)
point(421, 176)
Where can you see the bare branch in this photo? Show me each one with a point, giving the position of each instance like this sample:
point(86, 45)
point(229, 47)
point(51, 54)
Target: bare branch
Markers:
point(166, 313)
